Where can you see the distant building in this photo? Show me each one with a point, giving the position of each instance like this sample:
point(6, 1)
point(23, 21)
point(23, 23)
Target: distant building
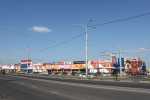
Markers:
point(135, 66)
point(17, 67)
point(26, 66)
point(100, 66)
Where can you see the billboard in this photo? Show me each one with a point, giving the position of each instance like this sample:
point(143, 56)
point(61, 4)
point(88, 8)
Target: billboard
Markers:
point(78, 62)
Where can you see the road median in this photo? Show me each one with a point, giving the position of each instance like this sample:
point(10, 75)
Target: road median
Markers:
point(133, 84)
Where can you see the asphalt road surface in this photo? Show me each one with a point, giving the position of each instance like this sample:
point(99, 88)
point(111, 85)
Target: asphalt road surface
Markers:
point(23, 88)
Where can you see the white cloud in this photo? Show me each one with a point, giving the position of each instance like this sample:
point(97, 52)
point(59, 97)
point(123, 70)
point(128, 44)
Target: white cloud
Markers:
point(143, 49)
point(41, 29)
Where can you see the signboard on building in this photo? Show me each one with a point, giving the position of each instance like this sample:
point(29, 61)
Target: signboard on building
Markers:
point(25, 65)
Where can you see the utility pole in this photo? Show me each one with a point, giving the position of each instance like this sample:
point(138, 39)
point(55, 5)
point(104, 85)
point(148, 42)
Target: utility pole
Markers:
point(86, 28)
point(86, 44)
point(86, 49)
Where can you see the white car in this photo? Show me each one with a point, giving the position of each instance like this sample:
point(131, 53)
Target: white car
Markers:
point(82, 75)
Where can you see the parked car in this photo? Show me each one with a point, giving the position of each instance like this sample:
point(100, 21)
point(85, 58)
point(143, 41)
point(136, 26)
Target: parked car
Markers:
point(90, 75)
point(83, 75)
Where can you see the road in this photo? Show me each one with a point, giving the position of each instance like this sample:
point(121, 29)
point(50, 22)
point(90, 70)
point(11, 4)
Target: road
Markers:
point(24, 88)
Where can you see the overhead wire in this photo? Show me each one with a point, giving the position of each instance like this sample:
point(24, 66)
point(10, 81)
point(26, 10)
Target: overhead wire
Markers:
point(101, 24)
point(122, 19)
point(63, 42)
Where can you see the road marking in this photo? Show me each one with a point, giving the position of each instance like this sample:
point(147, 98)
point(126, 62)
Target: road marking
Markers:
point(46, 90)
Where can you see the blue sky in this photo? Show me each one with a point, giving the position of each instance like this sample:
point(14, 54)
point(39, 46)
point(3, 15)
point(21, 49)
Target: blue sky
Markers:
point(39, 24)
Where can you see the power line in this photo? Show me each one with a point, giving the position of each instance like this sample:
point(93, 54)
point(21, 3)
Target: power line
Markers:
point(63, 42)
point(123, 19)
point(102, 24)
